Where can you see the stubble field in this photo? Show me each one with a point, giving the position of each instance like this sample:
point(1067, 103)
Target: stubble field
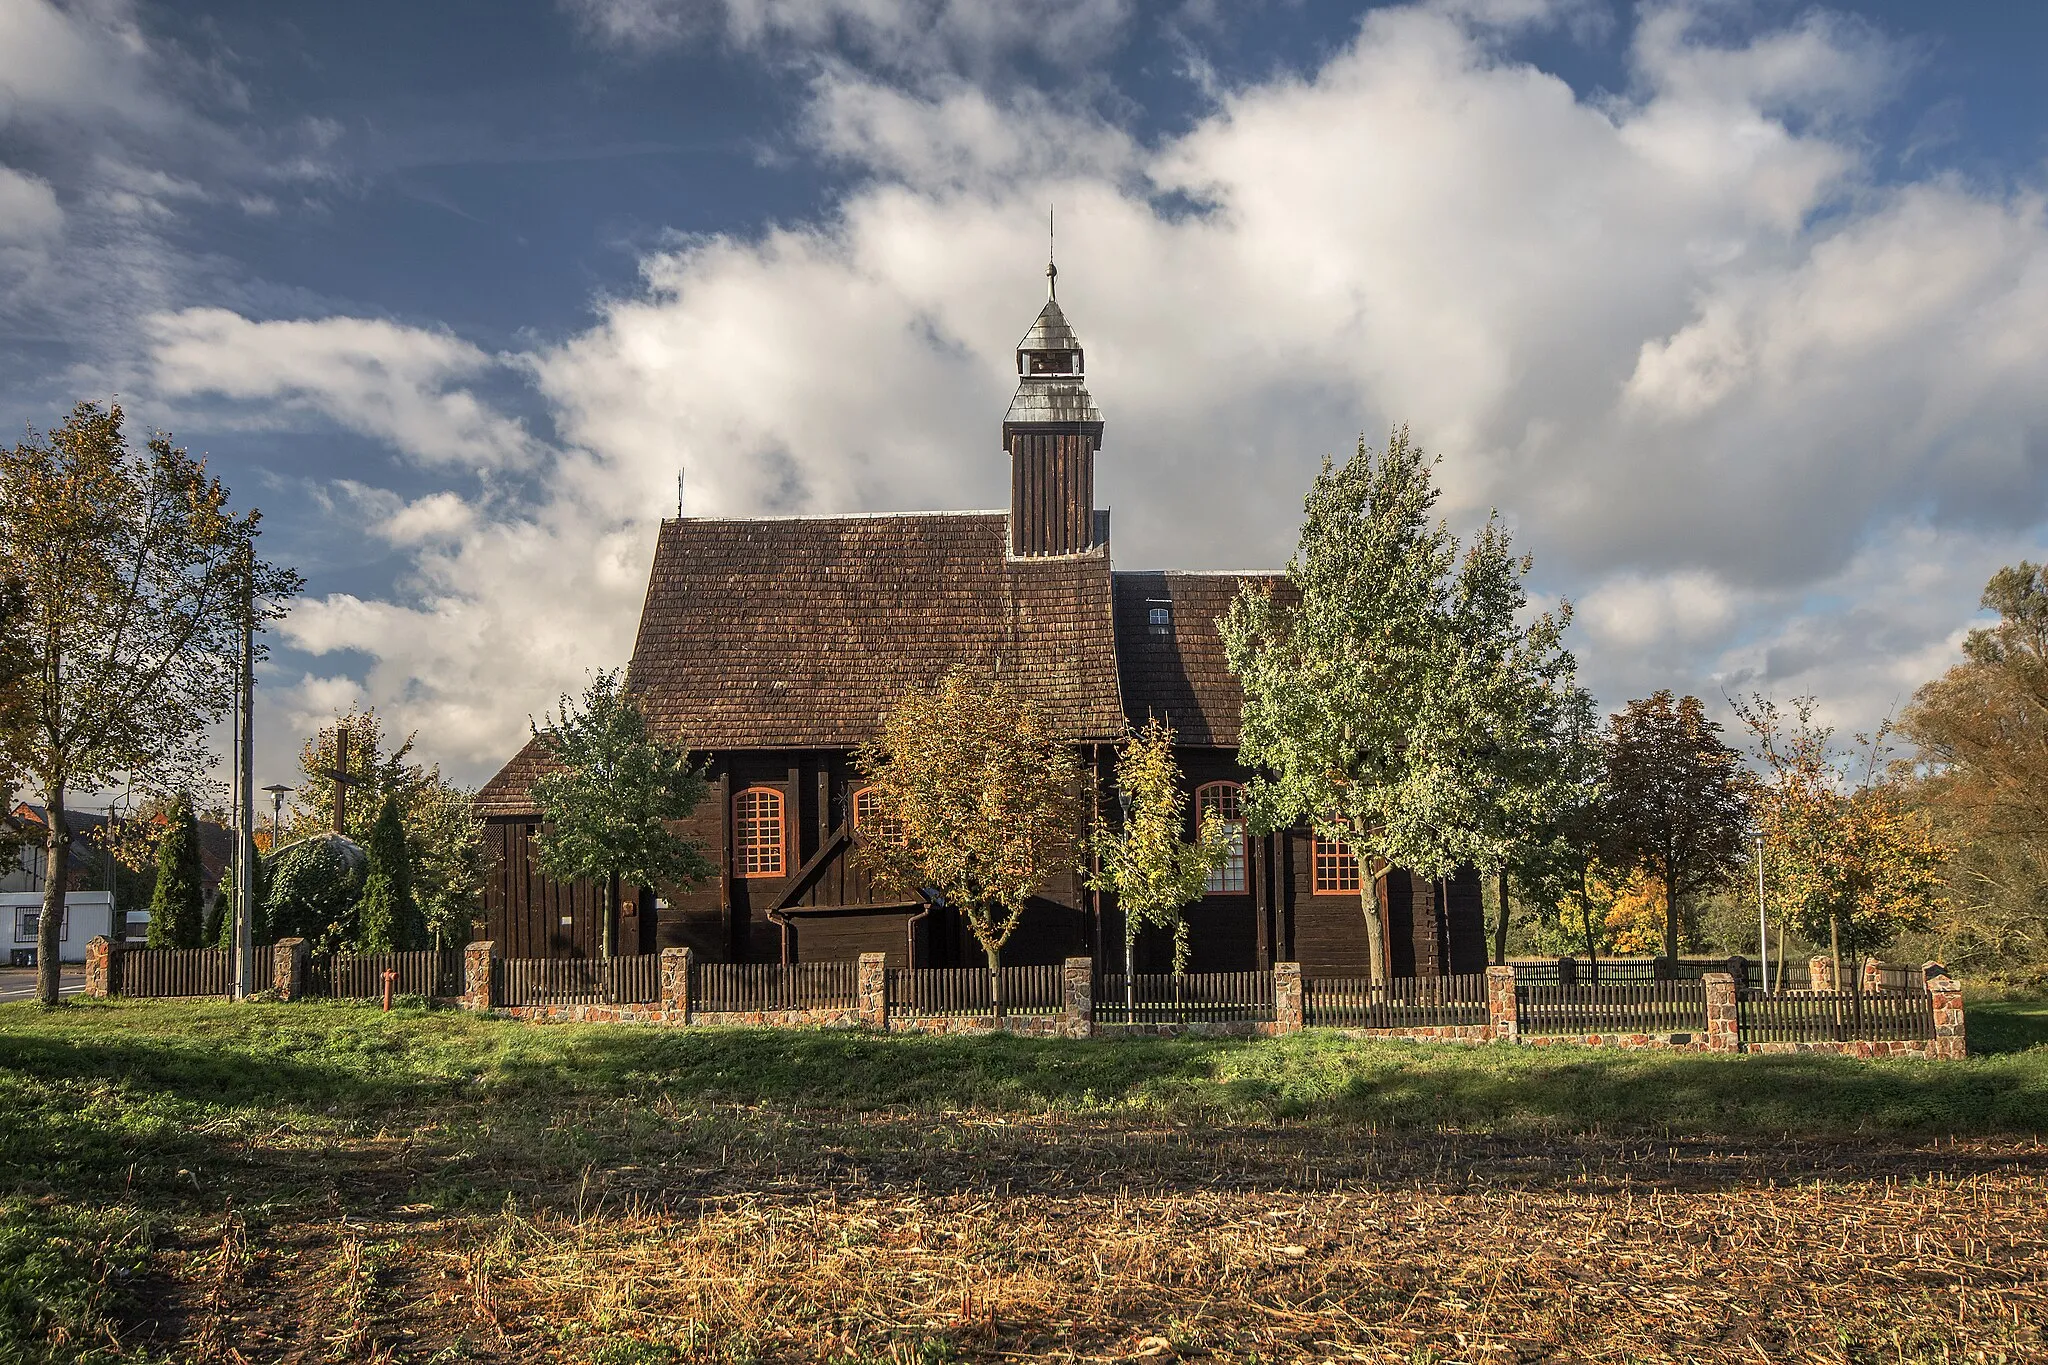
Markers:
point(322, 1182)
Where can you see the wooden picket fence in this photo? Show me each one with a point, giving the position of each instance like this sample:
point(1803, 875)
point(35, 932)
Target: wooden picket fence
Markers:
point(765, 987)
point(633, 980)
point(1834, 1016)
point(1189, 998)
point(1400, 1003)
point(434, 973)
point(967, 990)
point(1633, 1007)
point(168, 972)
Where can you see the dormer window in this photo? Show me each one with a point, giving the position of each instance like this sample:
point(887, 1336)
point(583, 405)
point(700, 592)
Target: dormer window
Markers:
point(1159, 618)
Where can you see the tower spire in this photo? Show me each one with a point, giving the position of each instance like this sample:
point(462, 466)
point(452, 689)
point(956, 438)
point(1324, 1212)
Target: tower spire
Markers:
point(1052, 272)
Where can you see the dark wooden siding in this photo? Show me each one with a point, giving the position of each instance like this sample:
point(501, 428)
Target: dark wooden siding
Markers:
point(1052, 493)
point(526, 912)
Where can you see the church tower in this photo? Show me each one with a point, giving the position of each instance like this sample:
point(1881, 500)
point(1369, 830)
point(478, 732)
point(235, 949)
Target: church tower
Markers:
point(1052, 431)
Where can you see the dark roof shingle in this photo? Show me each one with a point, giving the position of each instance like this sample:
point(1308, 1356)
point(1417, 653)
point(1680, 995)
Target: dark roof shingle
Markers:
point(802, 632)
point(1179, 673)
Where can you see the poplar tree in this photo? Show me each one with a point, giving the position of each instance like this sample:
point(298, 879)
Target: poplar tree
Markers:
point(606, 806)
point(1146, 862)
point(177, 905)
point(133, 573)
point(1394, 699)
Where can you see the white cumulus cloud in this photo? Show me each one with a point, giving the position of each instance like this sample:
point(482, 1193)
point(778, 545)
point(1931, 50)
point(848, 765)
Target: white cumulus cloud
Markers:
point(1731, 388)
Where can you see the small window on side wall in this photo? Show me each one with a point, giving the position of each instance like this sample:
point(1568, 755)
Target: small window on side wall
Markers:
point(871, 818)
point(757, 833)
point(1224, 801)
point(1336, 868)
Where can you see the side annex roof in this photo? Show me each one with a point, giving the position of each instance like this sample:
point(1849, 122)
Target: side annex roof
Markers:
point(1176, 670)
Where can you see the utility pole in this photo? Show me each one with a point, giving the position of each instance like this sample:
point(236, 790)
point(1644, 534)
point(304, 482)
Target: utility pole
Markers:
point(1763, 931)
point(245, 785)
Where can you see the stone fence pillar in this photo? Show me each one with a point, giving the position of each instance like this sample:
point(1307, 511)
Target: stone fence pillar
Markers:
point(1288, 1014)
point(288, 968)
point(675, 983)
point(1501, 1013)
point(1077, 1013)
point(1724, 1019)
point(1821, 973)
point(1873, 976)
point(1950, 1040)
point(476, 976)
point(102, 967)
point(873, 993)
point(1567, 971)
point(1738, 967)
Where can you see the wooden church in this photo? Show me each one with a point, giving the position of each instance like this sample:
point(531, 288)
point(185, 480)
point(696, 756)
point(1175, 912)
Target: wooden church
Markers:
point(773, 645)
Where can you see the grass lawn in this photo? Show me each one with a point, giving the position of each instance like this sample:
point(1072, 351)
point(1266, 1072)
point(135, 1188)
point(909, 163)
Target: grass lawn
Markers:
point(324, 1182)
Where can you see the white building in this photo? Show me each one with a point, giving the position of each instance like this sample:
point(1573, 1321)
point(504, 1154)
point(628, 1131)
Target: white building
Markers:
point(87, 915)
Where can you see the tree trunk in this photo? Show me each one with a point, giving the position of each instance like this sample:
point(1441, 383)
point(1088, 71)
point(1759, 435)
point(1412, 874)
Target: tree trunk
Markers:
point(1671, 923)
point(607, 916)
point(1500, 923)
point(57, 871)
point(1835, 956)
point(1586, 924)
point(1375, 931)
point(995, 977)
point(1130, 980)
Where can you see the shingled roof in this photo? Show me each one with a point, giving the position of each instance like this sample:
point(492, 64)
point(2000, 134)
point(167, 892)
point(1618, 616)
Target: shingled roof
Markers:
point(1178, 672)
point(801, 632)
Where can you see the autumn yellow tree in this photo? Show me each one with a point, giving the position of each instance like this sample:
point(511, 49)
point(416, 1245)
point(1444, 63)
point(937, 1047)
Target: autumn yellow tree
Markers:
point(982, 793)
point(1981, 731)
point(1851, 860)
point(133, 575)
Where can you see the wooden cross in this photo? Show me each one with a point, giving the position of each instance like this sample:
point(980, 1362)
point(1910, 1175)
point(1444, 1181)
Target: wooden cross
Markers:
point(342, 780)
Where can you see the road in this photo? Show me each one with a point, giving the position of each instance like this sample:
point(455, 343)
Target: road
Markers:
point(19, 983)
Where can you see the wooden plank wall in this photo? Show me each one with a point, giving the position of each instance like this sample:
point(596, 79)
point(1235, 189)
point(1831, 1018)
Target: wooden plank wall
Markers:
point(1052, 493)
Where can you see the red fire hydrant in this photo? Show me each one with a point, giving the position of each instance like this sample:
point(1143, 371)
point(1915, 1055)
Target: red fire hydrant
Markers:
point(390, 979)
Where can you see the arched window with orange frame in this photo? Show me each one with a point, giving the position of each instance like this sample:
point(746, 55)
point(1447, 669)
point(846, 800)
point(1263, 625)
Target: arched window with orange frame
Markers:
point(757, 833)
point(1336, 868)
point(1224, 802)
point(872, 820)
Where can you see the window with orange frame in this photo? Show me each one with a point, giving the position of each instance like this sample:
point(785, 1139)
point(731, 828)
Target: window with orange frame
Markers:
point(757, 840)
point(1336, 868)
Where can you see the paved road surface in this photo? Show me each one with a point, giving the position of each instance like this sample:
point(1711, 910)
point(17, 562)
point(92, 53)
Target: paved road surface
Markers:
point(20, 984)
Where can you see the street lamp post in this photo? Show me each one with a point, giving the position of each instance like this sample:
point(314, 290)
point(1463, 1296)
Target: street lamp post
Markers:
point(277, 791)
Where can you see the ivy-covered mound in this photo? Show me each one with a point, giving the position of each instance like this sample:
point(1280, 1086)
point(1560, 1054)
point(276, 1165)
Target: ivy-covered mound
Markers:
point(314, 886)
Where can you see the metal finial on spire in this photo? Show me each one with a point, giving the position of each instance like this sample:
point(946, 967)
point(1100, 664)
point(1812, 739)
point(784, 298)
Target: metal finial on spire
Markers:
point(1052, 272)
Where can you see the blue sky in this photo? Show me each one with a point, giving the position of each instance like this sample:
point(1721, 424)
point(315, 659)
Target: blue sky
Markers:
point(1732, 309)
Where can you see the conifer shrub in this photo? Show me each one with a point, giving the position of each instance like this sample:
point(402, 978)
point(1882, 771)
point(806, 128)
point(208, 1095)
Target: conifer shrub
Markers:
point(177, 906)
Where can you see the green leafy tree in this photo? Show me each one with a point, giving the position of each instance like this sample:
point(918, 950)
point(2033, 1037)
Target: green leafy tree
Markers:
point(1397, 703)
point(607, 804)
point(177, 907)
point(1673, 801)
point(1981, 731)
point(387, 919)
point(449, 859)
point(1145, 862)
point(983, 793)
point(1853, 863)
point(133, 571)
point(311, 890)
